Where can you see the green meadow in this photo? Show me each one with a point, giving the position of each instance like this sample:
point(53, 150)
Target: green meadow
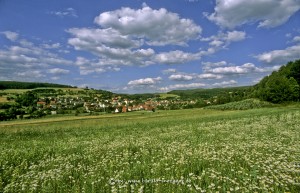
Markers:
point(195, 150)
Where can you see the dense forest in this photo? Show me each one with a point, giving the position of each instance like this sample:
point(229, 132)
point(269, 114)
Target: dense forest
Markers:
point(281, 86)
point(29, 85)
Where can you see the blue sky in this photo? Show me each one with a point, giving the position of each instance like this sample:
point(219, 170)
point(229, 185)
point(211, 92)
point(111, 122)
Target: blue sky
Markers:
point(134, 46)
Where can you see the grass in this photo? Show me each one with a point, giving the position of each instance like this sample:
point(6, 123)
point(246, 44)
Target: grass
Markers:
point(4, 100)
point(166, 95)
point(15, 91)
point(21, 91)
point(192, 150)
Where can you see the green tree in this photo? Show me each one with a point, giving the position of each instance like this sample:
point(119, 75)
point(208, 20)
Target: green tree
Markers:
point(294, 89)
point(280, 86)
point(37, 114)
point(277, 89)
point(295, 71)
point(27, 99)
point(12, 112)
point(3, 116)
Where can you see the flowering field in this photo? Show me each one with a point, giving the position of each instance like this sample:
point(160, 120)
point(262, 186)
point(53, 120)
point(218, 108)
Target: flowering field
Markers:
point(169, 151)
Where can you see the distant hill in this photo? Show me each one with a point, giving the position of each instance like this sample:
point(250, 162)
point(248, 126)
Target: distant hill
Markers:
point(281, 86)
point(208, 93)
point(29, 85)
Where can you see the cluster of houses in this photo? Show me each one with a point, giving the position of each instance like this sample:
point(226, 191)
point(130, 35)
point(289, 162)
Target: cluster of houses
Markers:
point(147, 106)
point(115, 105)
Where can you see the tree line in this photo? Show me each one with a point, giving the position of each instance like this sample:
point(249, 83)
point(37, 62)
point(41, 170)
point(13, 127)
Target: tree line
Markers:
point(29, 85)
point(24, 104)
point(281, 86)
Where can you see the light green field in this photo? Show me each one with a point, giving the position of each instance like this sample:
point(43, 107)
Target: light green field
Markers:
point(166, 95)
point(14, 91)
point(196, 150)
point(3, 100)
point(20, 91)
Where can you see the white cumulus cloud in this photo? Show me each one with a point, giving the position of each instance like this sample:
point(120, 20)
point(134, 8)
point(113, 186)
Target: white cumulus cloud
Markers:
point(235, 36)
point(29, 75)
point(87, 66)
point(25, 57)
point(12, 36)
point(182, 86)
point(210, 76)
point(223, 40)
point(280, 56)
point(123, 34)
point(159, 27)
point(269, 13)
point(296, 39)
point(214, 64)
point(51, 46)
point(145, 81)
point(246, 68)
point(181, 77)
point(169, 71)
point(86, 37)
point(225, 83)
point(176, 57)
point(58, 71)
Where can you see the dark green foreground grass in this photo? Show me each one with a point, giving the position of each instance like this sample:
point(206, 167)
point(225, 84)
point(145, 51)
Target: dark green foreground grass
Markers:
point(167, 151)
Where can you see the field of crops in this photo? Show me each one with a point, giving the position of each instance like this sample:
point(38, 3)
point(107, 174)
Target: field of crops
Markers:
point(242, 105)
point(197, 150)
point(3, 100)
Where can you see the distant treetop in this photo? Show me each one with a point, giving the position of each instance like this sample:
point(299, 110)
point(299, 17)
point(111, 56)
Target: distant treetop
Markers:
point(29, 85)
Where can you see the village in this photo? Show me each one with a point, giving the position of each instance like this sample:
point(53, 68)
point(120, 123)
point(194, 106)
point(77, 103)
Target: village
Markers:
point(39, 102)
point(36, 103)
point(114, 105)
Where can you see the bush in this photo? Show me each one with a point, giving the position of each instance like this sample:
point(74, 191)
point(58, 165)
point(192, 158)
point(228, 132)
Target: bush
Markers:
point(37, 114)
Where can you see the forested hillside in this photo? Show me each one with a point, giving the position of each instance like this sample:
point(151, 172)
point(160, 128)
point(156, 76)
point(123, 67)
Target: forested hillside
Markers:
point(280, 86)
point(29, 85)
point(209, 93)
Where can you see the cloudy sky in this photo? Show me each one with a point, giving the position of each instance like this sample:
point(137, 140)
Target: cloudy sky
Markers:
point(137, 46)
